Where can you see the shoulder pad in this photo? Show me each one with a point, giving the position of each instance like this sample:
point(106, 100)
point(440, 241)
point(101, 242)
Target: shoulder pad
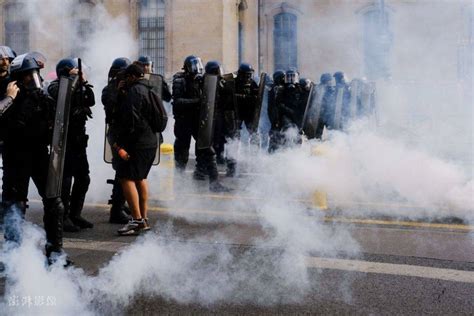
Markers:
point(229, 76)
point(178, 75)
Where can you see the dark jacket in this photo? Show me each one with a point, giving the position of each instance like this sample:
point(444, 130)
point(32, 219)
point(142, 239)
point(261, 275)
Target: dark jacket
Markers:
point(187, 94)
point(79, 112)
point(29, 121)
point(134, 131)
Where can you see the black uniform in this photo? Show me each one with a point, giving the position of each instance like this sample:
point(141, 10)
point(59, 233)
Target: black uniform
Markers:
point(290, 101)
point(111, 96)
point(76, 164)
point(6, 103)
point(187, 94)
point(239, 103)
point(29, 125)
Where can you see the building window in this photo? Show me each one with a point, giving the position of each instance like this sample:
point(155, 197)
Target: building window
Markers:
point(285, 41)
point(151, 29)
point(17, 28)
point(377, 43)
point(241, 42)
point(83, 25)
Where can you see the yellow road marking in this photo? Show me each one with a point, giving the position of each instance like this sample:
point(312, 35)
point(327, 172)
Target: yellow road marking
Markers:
point(258, 198)
point(326, 218)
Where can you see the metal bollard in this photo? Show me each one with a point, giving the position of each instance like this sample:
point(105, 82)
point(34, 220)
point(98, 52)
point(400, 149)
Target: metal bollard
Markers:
point(319, 199)
point(166, 181)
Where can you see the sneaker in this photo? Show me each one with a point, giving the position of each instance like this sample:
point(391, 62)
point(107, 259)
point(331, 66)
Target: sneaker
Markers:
point(147, 226)
point(133, 227)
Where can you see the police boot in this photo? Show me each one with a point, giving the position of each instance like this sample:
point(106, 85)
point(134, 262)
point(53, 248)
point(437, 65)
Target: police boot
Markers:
point(199, 174)
point(75, 215)
point(220, 158)
point(53, 225)
point(118, 211)
point(230, 171)
point(214, 185)
point(68, 225)
point(201, 169)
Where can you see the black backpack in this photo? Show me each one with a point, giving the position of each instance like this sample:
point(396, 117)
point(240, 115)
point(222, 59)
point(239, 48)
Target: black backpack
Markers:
point(158, 118)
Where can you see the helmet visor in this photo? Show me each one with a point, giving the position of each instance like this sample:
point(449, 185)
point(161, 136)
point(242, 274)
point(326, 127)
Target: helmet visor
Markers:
point(195, 66)
point(291, 78)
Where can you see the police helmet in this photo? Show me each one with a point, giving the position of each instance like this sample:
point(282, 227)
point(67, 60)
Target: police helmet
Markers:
point(213, 67)
point(193, 65)
point(245, 72)
point(292, 76)
point(7, 52)
point(64, 66)
point(305, 83)
point(117, 65)
point(325, 78)
point(27, 64)
point(339, 77)
point(278, 77)
point(145, 60)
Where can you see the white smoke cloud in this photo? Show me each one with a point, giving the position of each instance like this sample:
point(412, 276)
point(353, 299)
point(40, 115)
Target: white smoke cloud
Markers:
point(363, 166)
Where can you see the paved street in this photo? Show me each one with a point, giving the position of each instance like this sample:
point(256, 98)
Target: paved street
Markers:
point(393, 266)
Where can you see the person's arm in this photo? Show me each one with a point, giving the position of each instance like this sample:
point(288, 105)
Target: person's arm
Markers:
point(12, 91)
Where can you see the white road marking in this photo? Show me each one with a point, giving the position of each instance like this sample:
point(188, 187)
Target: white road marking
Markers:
point(321, 263)
point(391, 268)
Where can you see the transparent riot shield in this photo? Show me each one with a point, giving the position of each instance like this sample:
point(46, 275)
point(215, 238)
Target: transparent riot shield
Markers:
point(58, 144)
point(258, 107)
point(109, 154)
point(206, 115)
point(313, 111)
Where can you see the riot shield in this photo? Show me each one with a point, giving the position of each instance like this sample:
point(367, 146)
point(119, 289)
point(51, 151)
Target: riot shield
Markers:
point(258, 107)
point(356, 86)
point(108, 154)
point(156, 82)
point(206, 116)
point(107, 147)
point(337, 118)
point(58, 144)
point(313, 111)
point(367, 98)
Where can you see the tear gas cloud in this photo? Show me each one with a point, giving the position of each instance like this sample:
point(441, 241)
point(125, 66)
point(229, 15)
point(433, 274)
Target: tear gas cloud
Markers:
point(392, 163)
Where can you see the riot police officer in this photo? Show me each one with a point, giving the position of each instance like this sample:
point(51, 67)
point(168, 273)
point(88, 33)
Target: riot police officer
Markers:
point(291, 102)
point(339, 109)
point(278, 80)
point(187, 98)
point(325, 82)
point(28, 134)
point(76, 165)
point(111, 96)
point(241, 97)
point(147, 64)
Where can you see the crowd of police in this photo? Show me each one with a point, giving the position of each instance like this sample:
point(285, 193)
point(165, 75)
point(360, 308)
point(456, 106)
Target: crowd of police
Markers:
point(208, 105)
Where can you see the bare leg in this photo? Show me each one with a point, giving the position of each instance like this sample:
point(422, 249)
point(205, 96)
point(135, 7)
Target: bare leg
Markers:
point(130, 192)
point(142, 187)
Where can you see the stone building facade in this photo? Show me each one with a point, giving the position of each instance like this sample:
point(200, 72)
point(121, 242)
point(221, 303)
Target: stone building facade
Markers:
point(312, 35)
